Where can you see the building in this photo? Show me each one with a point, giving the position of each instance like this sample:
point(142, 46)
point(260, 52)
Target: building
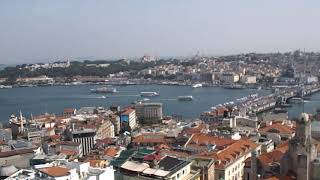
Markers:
point(249, 79)
point(129, 118)
point(229, 78)
point(301, 157)
point(5, 134)
point(86, 137)
point(18, 158)
point(278, 132)
point(69, 147)
point(115, 120)
point(33, 134)
point(149, 139)
point(33, 80)
point(229, 155)
point(166, 168)
point(207, 77)
point(149, 113)
point(57, 173)
point(266, 165)
point(68, 112)
point(105, 129)
point(205, 166)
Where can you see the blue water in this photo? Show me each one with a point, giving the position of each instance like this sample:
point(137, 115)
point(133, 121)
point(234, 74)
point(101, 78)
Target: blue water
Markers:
point(54, 99)
point(37, 100)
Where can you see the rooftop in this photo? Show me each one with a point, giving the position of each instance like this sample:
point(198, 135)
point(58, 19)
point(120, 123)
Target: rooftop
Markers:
point(128, 111)
point(277, 128)
point(68, 143)
point(231, 152)
point(55, 171)
point(111, 151)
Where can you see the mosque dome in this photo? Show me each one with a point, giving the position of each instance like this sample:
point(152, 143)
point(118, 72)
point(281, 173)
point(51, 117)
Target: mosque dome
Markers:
point(6, 171)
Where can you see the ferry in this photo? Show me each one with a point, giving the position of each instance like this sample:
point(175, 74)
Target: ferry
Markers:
point(185, 98)
point(279, 110)
point(149, 94)
point(197, 85)
point(234, 86)
point(5, 87)
point(296, 100)
point(104, 90)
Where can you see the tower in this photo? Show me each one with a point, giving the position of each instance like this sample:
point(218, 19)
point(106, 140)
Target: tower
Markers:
point(21, 123)
point(302, 150)
point(254, 166)
point(303, 129)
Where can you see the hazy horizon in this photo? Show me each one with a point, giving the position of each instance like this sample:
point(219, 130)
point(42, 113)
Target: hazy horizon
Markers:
point(46, 31)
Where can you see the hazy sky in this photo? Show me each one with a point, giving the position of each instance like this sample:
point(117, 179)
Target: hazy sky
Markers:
point(42, 30)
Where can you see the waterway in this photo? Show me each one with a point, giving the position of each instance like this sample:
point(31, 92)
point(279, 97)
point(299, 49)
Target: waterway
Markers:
point(53, 99)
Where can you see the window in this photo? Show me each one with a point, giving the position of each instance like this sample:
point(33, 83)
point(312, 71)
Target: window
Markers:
point(183, 172)
point(178, 175)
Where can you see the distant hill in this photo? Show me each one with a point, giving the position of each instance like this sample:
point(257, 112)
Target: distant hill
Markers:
point(86, 68)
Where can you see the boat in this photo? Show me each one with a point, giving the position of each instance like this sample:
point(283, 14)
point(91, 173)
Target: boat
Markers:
point(234, 86)
point(5, 87)
point(185, 98)
point(197, 85)
point(286, 105)
point(296, 100)
point(104, 90)
point(145, 99)
point(149, 94)
point(279, 110)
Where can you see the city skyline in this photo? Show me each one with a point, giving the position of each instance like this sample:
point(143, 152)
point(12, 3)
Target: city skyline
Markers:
point(36, 31)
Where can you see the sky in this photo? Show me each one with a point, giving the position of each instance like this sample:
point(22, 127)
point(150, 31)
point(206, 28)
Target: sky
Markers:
point(48, 30)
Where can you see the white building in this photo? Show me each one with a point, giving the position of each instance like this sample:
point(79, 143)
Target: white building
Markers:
point(149, 112)
point(129, 117)
point(249, 79)
point(229, 78)
point(86, 137)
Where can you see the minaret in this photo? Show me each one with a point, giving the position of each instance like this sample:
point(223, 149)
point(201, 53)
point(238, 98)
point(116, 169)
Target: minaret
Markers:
point(21, 122)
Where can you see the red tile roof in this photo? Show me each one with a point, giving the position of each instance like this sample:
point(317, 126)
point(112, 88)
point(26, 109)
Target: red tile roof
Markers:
point(231, 152)
point(150, 138)
point(69, 110)
point(277, 128)
point(198, 129)
point(205, 140)
point(68, 143)
point(127, 111)
point(111, 151)
point(16, 152)
point(68, 152)
point(267, 158)
point(55, 171)
point(151, 157)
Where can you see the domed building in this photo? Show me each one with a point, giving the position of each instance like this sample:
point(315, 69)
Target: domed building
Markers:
point(6, 171)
